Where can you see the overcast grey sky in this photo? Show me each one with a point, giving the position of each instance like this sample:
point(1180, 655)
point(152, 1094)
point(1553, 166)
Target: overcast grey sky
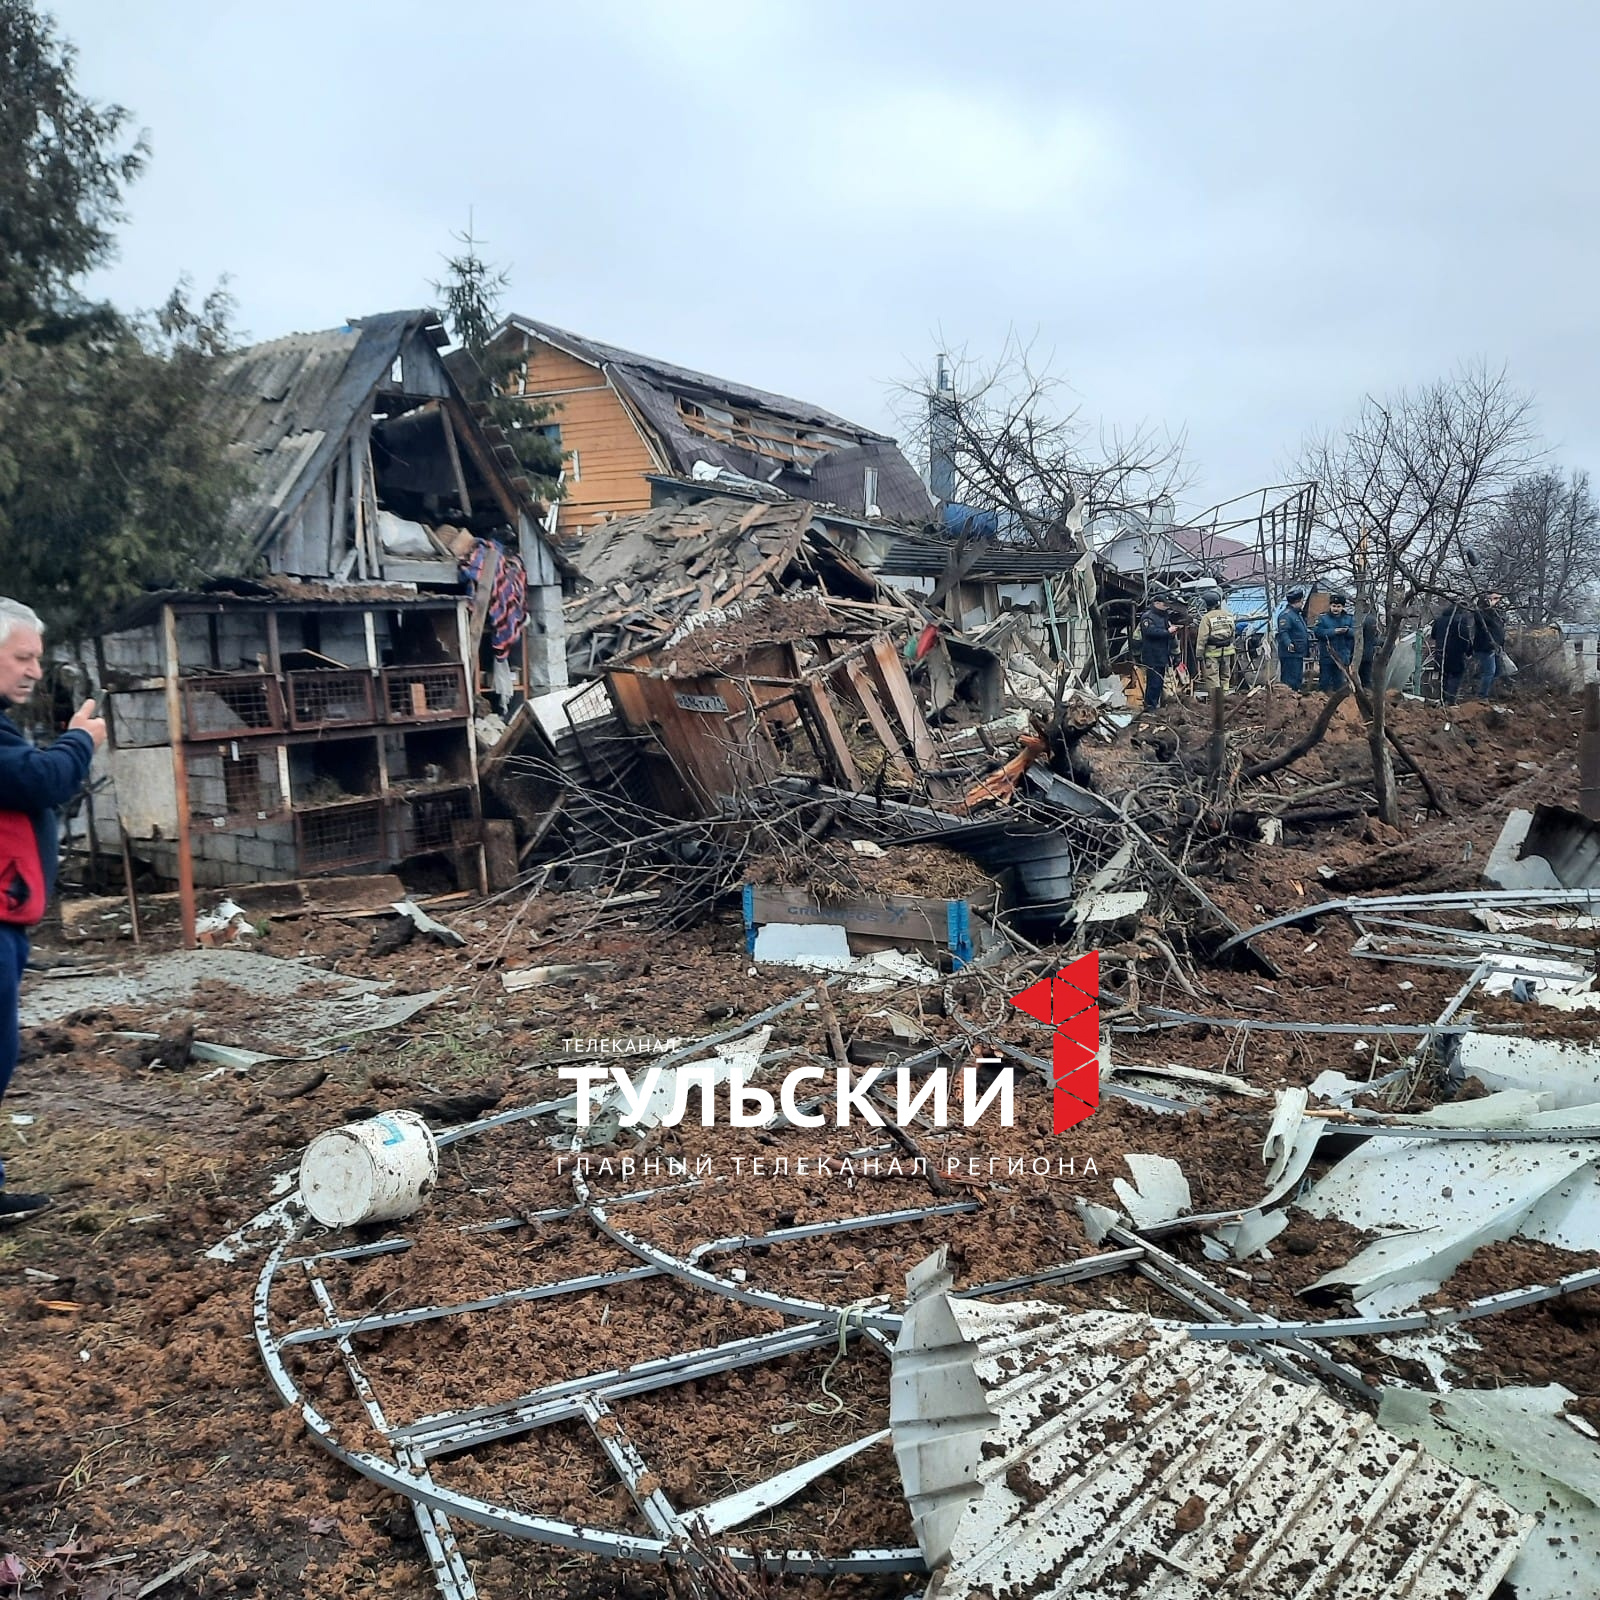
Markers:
point(1229, 219)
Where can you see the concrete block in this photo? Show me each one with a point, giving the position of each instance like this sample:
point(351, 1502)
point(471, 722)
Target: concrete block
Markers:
point(1508, 868)
point(215, 845)
point(256, 852)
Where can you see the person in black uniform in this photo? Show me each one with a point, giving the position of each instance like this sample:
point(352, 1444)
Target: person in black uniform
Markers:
point(1155, 650)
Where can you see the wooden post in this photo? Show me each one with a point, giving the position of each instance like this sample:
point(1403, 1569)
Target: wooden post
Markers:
point(455, 461)
point(1589, 754)
point(482, 593)
point(133, 898)
point(180, 778)
point(358, 507)
point(1219, 737)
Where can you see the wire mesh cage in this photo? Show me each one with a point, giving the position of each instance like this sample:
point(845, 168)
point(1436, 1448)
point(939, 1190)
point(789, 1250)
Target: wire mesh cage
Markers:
point(424, 694)
point(340, 835)
point(234, 784)
point(330, 698)
point(438, 821)
point(231, 704)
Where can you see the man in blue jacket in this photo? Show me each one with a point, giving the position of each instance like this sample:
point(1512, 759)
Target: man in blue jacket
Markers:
point(33, 783)
point(1294, 641)
point(1336, 640)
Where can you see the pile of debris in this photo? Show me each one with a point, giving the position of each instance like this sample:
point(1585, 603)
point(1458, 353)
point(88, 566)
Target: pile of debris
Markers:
point(1298, 1292)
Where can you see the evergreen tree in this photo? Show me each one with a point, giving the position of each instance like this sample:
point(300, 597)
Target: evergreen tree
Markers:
point(471, 296)
point(111, 478)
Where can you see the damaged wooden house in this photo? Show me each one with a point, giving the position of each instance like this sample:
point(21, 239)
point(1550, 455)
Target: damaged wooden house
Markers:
point(622, 417)
point(312, 708)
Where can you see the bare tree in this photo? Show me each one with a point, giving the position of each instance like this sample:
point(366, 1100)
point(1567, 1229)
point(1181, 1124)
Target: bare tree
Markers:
point(998, 438)
point(1399, 490)
point(1541, 549)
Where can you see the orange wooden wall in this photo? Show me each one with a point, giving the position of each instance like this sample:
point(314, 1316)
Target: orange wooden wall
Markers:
point(612, 458)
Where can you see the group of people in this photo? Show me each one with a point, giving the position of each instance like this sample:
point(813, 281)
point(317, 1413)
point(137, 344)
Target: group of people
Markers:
point(1461, 635)
point(1335, 635)
point(1465, 636)
point(1214, 643)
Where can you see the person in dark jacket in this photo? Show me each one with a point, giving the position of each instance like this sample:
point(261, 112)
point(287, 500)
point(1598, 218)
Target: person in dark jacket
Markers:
point(33, 783)
point(1369, 647)
point(1453, 632)
point(1155, 650)
point(1294, 640)
point(1488, 639)
point(1336, 643)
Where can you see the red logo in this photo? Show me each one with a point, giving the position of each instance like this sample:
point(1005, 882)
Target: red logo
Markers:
point(1070, 1003)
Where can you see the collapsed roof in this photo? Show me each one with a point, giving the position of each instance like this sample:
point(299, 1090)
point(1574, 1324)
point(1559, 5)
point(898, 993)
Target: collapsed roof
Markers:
point(805, 451)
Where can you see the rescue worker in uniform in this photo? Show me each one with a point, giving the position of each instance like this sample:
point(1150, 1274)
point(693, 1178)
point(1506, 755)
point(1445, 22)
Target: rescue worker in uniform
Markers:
point(1155, 650)
point(1336, 643)
point(1214, 642)
point(1294, 640)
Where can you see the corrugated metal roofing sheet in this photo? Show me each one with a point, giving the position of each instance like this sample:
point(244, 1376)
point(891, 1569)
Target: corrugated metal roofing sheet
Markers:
point(1106, 1454)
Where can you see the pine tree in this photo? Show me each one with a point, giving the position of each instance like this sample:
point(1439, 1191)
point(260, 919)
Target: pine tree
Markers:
point(471, 296)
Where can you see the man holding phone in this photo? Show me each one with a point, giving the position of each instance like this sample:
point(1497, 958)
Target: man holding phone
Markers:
point(33, 784)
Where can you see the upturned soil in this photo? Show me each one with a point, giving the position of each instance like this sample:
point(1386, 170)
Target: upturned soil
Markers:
point(137, 1424)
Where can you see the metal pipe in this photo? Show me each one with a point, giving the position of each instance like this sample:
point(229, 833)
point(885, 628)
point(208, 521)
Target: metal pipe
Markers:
point(180, 778)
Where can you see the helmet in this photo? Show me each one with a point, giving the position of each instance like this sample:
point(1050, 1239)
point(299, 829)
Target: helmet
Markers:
point(1212, 597)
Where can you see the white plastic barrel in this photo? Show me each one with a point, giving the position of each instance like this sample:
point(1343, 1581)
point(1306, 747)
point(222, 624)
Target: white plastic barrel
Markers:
point(369, 1171)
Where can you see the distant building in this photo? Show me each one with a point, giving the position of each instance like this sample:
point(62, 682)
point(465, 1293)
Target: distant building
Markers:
point(1175, 556)
point(622, 417)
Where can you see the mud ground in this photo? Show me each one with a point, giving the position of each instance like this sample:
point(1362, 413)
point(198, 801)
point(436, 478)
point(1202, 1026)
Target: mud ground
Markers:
point(136, 1425)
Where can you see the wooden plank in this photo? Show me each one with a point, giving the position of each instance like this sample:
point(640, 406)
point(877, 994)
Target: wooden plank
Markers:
point(483, 458)
point(891, 676)
point(901, 918)
point(480, 611)
point(867, 695)
point(455, 461)
point(754, 576)
point(369, 489)
point(500, 853)
point(359, 507)
point(821, 708)
point(536, 834)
